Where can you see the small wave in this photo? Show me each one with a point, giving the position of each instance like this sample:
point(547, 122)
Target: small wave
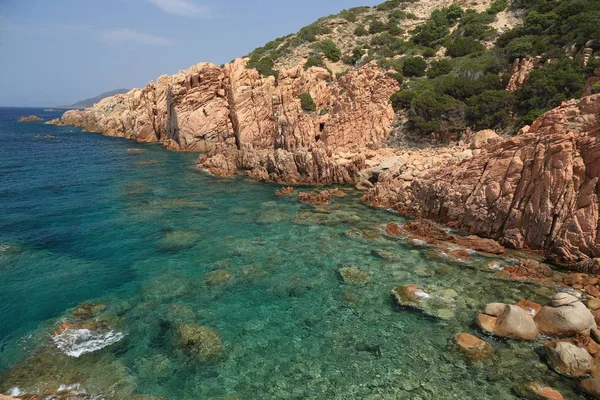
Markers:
point(15, 391)
point(76, 342)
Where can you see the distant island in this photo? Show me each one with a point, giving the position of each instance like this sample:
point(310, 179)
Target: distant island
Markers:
point(93, 100)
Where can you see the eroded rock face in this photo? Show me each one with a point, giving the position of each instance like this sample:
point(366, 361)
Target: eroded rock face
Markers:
point(246, 122)
point(520, 70)
point(537, 190)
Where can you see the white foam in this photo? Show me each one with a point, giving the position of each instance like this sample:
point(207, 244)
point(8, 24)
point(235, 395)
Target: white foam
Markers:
point(15, 392)
point(421, 294)
point(76, 342)
point(496, 267)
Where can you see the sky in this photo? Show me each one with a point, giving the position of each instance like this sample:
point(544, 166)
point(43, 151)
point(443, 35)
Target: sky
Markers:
point(56, 52)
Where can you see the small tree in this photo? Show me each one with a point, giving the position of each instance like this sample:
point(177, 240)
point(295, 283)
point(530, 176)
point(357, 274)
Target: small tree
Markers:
point(330, 50)
point(414, 66)
point(314, 60)
point(439, 68)
point(377, 27)
point(307, 102)
point(361, 31)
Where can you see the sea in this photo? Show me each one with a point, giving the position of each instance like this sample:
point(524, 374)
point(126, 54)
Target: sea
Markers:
point(126, 272)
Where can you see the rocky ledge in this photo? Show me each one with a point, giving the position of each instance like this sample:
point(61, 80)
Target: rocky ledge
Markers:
point(538, 190)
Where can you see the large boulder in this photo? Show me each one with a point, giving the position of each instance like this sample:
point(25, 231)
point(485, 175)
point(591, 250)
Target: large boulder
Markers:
point(482, 137)
point(200, 342)
point(568, 359)
point(565, 316)
point(507, 321)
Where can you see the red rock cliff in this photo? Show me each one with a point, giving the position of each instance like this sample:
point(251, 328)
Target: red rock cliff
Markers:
point(538, 190)
point(251, 123)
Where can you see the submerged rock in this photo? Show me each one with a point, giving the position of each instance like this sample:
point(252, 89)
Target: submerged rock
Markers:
point(438, 303)
point(537, 391)
point(177, 241)
point(507, 321)
point(354, 276)
point(200, 342)
point(474, 348)
point(565, 316)
point(219, 277)
point(568, 359)
point(77, 342)
point(89, 310)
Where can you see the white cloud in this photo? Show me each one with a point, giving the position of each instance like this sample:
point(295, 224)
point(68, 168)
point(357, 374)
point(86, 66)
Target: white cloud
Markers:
point(128, 35)
point(183, 8)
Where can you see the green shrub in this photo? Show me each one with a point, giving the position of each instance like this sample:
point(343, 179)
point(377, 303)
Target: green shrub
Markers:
point(307, 102)
point(394, 29)
point(437, 26)
point(309, 33)
point(427, 51)
point(388, 5)
point(401, 99)
point(330, 50)
point(264, 66)
point(432, 112)
point(377, 27)
point(414, 66)
point(462, 46)
point(489, 109)
point(467, 84)
point(439, 68)
point(497, 6)
point(397, 76)
point(396, 16)
point(361, 31)
point(596, 88)
point(314, 60)
point(476, 25)
point(353, 58)
point(547, 87)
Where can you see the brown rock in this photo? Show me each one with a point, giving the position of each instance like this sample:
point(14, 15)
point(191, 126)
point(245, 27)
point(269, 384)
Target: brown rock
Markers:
point(538, 391)
point(593, 304)
point(591, 386)
point(568, 359)
point(285, 191)
point(528, 270)
point(392, 229)
point(575, 279)
point(513, 322)
point(474, 348)
point(592, 290)
point(31, 118)
point(521, 70)
point(564, 316)
point(537, 190)
point(532, 308)
point(481, 138)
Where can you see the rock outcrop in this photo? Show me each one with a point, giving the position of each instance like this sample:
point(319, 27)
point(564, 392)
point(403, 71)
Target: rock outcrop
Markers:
point(537, 190)
point(565, 316)
point(31, 118)
point(246, 122)
point(520, 70)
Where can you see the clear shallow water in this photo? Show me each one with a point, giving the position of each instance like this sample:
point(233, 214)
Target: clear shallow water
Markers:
point(91, 218)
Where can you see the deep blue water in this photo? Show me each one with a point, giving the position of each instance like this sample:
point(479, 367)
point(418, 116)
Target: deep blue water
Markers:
point(137, 228)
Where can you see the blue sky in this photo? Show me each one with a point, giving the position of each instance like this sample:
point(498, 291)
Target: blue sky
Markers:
point(58, 52)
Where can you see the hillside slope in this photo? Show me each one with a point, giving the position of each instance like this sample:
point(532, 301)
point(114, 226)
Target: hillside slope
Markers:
point(93, 100)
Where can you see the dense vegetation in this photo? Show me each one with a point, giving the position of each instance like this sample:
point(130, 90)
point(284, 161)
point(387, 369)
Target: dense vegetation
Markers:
point(453, 67)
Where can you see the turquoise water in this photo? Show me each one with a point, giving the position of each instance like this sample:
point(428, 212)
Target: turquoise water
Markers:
point(137, 228)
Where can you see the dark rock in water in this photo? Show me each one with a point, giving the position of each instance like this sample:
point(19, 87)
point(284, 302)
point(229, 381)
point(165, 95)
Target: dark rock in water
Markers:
point(373, 349)
point(31, 118)
point(200, 342)
point(438, 303)
point(385, 255)
point(89, 310)
point(354, 276)
point(177, 241)
point(219, 277)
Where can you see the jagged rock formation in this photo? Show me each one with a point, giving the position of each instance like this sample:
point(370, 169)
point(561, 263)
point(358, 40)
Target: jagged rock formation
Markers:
point(520, 70)
point(248, 122)
point(538, 190)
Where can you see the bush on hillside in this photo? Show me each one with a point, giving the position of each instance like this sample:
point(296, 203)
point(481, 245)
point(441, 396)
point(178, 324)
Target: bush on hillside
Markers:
point(547, 87)
point(437, 26)
point(264, 66)
point(497, 6)
point(439, 68)
point(330, 50)
point(401, 99)
point(314, 60)
point(307, 103)
point(489, 109)
point(353, 58)
point(361, 31)
point(377, 27)
point(462, 46)
point(414, 66)
point(432, 112)
point(309, 33)
point(596, 88)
